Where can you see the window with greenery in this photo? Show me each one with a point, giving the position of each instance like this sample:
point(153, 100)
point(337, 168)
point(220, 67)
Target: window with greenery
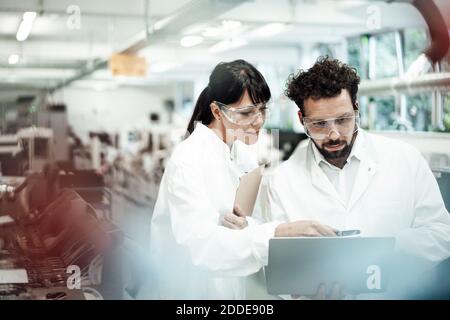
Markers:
point(325, 49)
point(385, 56)
point(357, 53)
point(446, 116)
point(415, 41)
point(419, 111)
point(445, 63)
point(378, 112)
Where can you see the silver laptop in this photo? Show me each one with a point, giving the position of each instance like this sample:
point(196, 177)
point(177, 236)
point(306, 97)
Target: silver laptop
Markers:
point(300, 265)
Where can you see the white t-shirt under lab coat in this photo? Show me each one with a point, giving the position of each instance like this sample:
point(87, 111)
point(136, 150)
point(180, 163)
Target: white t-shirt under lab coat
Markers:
point(394, 193)
point(342, 179)
point(195, 257)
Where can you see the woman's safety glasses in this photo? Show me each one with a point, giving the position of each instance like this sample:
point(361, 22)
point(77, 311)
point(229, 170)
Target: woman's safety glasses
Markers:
point(320, 129)
point(246, 115)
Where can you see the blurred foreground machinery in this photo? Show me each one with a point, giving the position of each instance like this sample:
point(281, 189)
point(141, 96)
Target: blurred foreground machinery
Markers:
point(56, 238)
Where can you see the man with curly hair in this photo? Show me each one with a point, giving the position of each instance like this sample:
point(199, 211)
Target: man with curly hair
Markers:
point(346, 178)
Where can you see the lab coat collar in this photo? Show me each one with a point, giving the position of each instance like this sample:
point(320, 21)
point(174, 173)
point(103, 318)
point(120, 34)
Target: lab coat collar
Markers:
point(218, 150)
point(367, 168)
point(212, 140)
point(363, 150)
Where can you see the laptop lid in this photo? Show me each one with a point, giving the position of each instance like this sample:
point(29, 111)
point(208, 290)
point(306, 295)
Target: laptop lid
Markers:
point(300, 265)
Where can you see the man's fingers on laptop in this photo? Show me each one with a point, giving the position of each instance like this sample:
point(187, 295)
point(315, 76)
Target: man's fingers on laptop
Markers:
point(336, 292)
point(321, 292)
point(325, 230)
point(342, 292)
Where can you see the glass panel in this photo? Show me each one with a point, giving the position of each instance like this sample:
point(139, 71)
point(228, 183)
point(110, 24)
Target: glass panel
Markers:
point(416, 41)
point(386, 58)
point(419, 111)
point(445, 62)
point(381, 112)
point(324, 49)
point(446, 110)
point(357, 53)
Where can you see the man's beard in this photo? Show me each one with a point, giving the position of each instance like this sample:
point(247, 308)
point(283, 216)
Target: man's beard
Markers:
point(343, 153)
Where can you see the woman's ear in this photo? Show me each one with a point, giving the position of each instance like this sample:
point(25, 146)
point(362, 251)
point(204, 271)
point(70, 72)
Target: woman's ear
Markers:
point(215, 111)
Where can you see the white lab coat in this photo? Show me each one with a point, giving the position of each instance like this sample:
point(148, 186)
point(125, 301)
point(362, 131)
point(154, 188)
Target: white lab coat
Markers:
point(394, 194)
point(195, 257)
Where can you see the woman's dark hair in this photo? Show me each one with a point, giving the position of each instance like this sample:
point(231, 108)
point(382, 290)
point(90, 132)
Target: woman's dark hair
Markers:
point(325, 79)
point(227, 84)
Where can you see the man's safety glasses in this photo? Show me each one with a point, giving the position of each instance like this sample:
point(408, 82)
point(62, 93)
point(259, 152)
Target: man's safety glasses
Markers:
point(246, 115)
point(320, 129)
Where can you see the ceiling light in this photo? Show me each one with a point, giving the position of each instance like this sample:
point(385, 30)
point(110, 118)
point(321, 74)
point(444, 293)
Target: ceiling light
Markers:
point(231, 24)
point(25, 25)
point(211, 32)
point(227, 28)
point(190, 41)
point(227, 45)
point(13, 58)
point(29, 16)
point(269, 30)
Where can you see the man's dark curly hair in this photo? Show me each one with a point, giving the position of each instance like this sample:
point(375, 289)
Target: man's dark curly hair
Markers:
point(325, 79)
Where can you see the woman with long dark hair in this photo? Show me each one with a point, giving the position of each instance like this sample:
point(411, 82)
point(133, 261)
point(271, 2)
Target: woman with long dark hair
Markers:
point(197, 251)
point(197, 257)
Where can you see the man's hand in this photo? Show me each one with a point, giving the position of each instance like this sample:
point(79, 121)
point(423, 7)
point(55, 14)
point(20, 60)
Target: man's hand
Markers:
point(235, 220)
point(337, 292)
point(304, 228)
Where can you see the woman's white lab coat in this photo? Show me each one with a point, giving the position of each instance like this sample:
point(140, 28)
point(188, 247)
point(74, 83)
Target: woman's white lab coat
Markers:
point(196, 257)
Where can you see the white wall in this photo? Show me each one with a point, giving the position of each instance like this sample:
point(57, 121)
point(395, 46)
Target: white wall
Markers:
point(435, 147)
point(111, 110)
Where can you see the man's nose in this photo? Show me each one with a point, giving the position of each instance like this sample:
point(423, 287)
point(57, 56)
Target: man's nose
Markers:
point(334, 133)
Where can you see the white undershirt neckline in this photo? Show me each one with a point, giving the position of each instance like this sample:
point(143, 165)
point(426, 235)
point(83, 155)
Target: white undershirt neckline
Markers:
point(343, 180)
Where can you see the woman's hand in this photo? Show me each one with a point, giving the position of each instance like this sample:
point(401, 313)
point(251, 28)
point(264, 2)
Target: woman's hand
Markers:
point(235, 220)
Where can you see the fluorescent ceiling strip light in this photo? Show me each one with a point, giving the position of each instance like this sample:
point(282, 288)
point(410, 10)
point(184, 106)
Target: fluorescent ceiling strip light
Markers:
point(25, 25)
point(190, 41)
point(13, 58)
point(227, 45)
point(268, 30)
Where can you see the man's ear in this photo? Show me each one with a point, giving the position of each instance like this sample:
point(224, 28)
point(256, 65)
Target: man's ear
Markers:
point(215, 111)
point(356, 106)
point(300, 116)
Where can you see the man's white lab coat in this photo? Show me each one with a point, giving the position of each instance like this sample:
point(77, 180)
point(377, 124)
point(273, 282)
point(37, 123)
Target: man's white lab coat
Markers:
point(195, 257)
point(394, 194)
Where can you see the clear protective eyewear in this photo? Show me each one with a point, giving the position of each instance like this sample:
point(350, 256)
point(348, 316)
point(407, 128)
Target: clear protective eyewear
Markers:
point(320, 129)
point(246, 115)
